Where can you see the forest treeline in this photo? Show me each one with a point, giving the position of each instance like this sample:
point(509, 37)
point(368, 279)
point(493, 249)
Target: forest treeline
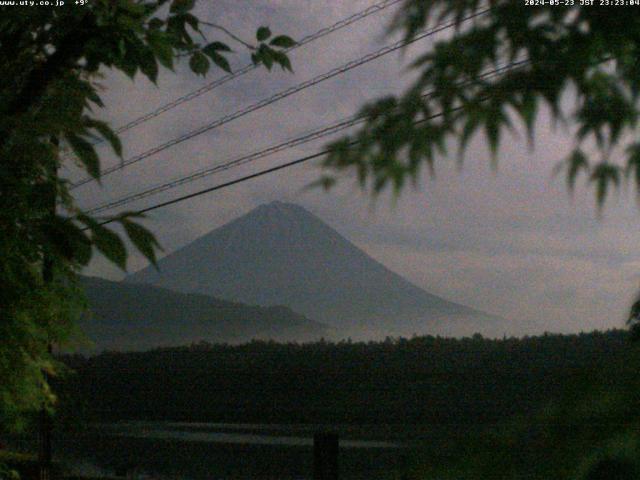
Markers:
point(423, 379)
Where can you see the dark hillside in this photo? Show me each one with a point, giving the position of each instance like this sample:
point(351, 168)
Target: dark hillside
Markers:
point(140, 317)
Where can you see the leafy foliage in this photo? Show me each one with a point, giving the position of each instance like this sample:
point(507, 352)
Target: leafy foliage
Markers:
point(634, 319)
point(51, 59)
point(563, 54)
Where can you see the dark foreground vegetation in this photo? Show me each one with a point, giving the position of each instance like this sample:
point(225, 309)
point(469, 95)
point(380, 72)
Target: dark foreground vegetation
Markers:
point(553, 406)
point(419, 380)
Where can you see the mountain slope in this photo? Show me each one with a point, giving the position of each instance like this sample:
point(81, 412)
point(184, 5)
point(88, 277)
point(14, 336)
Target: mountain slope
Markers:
point(281, 254)
point(139, 317)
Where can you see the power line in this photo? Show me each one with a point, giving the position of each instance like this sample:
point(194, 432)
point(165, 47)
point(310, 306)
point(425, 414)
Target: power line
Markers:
point(378, 7)
point(234, 182)
point(257, 174)
point(323, 32)
point(224, 185)
point(270, 170)
point(249, 67)
point(280, 95)
point(251, 176)
point(314, 135)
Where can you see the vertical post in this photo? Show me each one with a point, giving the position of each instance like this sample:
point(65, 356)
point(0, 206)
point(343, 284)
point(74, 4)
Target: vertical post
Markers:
point(44, 440)
point(45, 422)
point(325, 456)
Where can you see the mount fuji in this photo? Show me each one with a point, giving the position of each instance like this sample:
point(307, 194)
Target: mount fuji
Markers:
point(281, 254)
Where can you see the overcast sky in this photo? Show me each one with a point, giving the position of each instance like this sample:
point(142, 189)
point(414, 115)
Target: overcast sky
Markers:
point(512, 243)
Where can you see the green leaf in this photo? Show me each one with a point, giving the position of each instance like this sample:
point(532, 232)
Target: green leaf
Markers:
point(107, 133)
point(326, 182)
point(470, 126)
point(67, 240)
point(192, 21)
point(281, 59)
point(139, 56)
point(215, 47)
point(263, 33)
point(161, 46)
point(283, 41)
point(575, 163)
point(199, 63)
point(528, 109)
point(492, 130)
point(602, 175)
point(285, 63)
point(106, 241)
point(93, 96)
point(148, 63)
point(633, 164)
point(82, 251)
point(85, 153)
point(89, 91)
point(265, 56)
point(143, 239)
point(219, 60)
point(128, 66)
point(493, 119)
point(176, 27)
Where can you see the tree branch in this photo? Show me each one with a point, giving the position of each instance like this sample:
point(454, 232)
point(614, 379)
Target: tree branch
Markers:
point(229, 33)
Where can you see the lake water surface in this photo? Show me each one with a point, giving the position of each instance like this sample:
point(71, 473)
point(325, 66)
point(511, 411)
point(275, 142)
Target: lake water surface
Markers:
point(194, 451)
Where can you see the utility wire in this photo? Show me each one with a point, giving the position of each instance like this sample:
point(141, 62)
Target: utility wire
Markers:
point(260, 173)
point(323, 32)
point(253, 175)
point(281, 95)
point(276, 168)
point(313, 135)
point(234, 182)
point(316, 134)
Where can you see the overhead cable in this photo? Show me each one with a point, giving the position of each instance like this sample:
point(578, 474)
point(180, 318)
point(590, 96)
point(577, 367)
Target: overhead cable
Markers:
point(242, 160)
point(278, 96)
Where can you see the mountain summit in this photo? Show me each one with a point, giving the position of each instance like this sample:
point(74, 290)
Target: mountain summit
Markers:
point(281, 254)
